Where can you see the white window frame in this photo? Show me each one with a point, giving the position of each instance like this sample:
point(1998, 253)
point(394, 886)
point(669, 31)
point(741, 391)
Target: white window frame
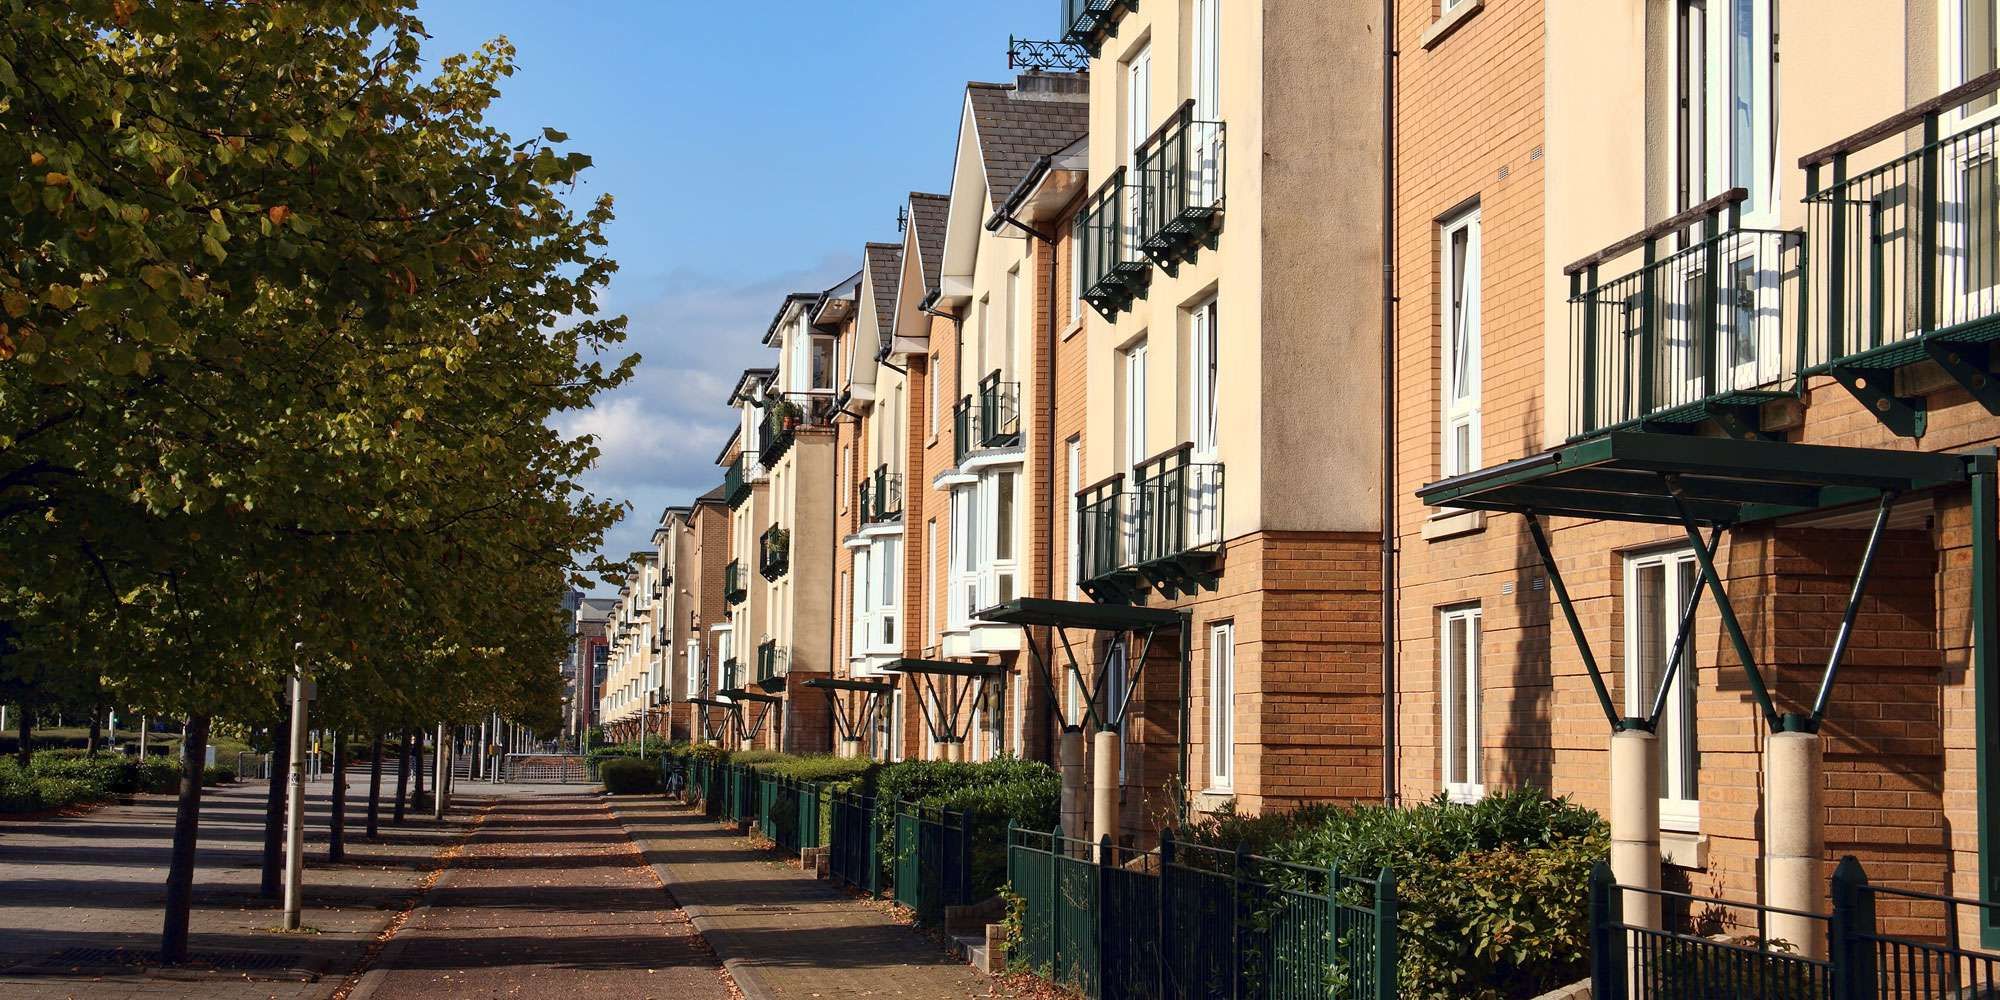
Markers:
point(1676, 728)
point(998, 573)
point(931, 376)
point(930, 625)
point(1459, 701)
point(887, 555)
point(1204, 403)
point(1459, 306)
point(1067, 501)
point(1019, 710)
point(813, 343)
point(1133, 364)
point(1222, 706)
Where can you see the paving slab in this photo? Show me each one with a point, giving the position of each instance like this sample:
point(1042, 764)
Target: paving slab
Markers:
point(782, 933)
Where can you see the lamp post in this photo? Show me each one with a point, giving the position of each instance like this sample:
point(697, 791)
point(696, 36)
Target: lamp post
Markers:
point(295, 806)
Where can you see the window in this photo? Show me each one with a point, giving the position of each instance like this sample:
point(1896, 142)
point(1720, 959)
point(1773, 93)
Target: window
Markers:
point(931, 376)
point(846, 458)
point(1019, 741)
point(1005, 362)
point(1458, 692)
point(1206, 58)
point(1461, 344)
point(998, 562)
point(860, 603)
point(1138, 125)
point(1725, 94)
point(1202, 356)
point(822, 363)
point(1222, 706)
point(888, 560)
point(930, 584)
point(1113, 690)
point(1066, 502)
point(1658, 588)
point(1977, 48)
point(1134, 403)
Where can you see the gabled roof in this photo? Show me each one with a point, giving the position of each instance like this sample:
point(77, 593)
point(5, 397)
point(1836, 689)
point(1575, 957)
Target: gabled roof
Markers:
point(834, 305)
point(927, 218)
point(751, 379)
point(792, 301)
point(1015, 130)
point(883, 263)
point(713, 498)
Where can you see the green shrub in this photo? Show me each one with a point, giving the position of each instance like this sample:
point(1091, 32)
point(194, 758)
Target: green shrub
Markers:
point(211, 776)
point(991, 794)
point(1493, 896)
point(629, 776)
point(159, 775)
point(611, 750)
point(824, 768)
point(56, 793)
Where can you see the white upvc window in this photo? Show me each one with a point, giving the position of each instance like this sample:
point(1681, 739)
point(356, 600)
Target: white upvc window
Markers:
point(1725, 66)
point(1222, 706)
point(931, 379)
point(1112, 689)
point(1658, 587)
point(887, 557)
point(1006, 361)
point(1461, 338)
point(821, 361)
point(1134, 404)
point(964, 557)
point(998, 564)
point(1018, 742)
point(930, 622)
point(1459, 695)
point(1066, 501)
point(694, 688)
point(857, 629)
point(843, 494)
point(1138, 77)
point(1204, 353)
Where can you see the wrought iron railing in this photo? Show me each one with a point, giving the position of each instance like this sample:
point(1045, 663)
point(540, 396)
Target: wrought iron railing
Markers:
point(784, 414)
point(1106, 541)
point(1179, 506)
point(1110, 268)
point(1039, 56)
point(1709, 331)
point(774, 553)
point(770, 661)
point(734, 587)
point(1180, 188)
point(1088, 23)
point(964, 429)
point(736, 481)
point(1906, 253)
point(881, 496)
point(999, 412)
point(729, 675)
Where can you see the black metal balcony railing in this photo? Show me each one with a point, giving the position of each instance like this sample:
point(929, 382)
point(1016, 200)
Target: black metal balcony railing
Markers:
point(784, 414)
point(728, 675)
point(1709, 332)
point(1177, 530)
point(999, 412)
point(882, 496)
point(736, 482)
point(1112, 272)
point(734, 588)
point(1906, 255)
point(1089, 22)
point(1036, 56)
point(1104, 537)
point(964, 429)
point(1179, 208)
point(770, 665)
point(774, 553)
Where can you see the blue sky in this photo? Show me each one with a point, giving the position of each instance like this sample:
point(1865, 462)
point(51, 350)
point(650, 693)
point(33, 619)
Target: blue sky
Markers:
point(752, 147)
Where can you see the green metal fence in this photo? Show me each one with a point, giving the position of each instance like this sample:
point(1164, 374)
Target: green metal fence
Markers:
point(1189, 921)
point(930, 858)
point(854, 848)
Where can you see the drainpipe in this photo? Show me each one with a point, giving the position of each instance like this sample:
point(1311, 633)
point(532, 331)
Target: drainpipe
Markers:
point(1388, 474)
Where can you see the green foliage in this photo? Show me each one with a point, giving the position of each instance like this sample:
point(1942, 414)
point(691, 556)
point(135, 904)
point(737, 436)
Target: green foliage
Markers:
point(991, 794)
point(211, 776)
point(610, 750)
point(629, 776)
point(839, 772)
point(54, 784)
point(1494, 900)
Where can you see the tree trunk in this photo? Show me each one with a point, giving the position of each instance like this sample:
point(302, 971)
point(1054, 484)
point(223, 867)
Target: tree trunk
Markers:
point(272, 884)
point(336, 841)
point(26, 731)
point(187, 821)
point(417, 767)
point(375, 786)
point(403, 779)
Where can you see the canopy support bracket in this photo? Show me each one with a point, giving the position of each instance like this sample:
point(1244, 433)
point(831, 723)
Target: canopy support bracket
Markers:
point(1969, 365)
point(1854, 596)
point(1724, 606)
point(1575, 626)
point(1874, 388)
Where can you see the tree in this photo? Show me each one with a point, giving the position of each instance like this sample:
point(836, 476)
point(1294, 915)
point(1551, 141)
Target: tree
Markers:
point(283, 323)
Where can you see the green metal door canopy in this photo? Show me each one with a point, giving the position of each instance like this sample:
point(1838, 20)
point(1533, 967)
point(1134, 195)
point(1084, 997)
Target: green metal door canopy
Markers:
point(851, 722)
point(1696, 481)
point(946, 690)
point(1061, 616)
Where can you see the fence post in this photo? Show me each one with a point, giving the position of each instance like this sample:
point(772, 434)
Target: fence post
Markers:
point(1849, 933)
point(1607, 958)
point(1102, 910)
point(1386, 948)
point(1165, 931)
point(1055, 902)
point(1240, 861)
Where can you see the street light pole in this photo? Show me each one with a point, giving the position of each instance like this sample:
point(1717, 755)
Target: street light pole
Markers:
point(295, 807)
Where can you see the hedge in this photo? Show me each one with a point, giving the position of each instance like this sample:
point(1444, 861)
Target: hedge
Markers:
point(1493, 896)
point(629, 776)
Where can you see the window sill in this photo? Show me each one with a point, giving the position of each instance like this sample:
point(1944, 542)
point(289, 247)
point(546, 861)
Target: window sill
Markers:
point(1683, 849)
point(1449, 22)
point(1452, 524)
point(1075, 326)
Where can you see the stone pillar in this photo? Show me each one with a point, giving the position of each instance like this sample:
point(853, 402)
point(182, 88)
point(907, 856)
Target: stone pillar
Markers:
point(1104, 786)
point(1794, 838)
point(1070, 760)
point(1635, 822)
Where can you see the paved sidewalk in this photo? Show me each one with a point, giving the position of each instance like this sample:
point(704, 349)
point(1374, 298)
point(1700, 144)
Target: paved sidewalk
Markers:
point(548, 898)
point(783, 933)
point(81, 896)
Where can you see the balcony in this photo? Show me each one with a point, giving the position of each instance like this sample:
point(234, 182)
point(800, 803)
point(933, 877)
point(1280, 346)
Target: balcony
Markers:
point(728, 675)
point(1087, 23)
point(989, 419)
point(882, 497)
point(1106, 540)
point(771, 666)
point(1906, 255)
point(1177, 532)
point(774, 553)
point(1112, 271)
point(1179, 209)
point(1707, 333)
point(736, 482)
point(784, 414)
point(734, 588)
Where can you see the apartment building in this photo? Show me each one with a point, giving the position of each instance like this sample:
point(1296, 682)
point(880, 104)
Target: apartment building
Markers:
point(589, 656)
point(631, 688)
point(1225, 472)
point(1694, 435)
